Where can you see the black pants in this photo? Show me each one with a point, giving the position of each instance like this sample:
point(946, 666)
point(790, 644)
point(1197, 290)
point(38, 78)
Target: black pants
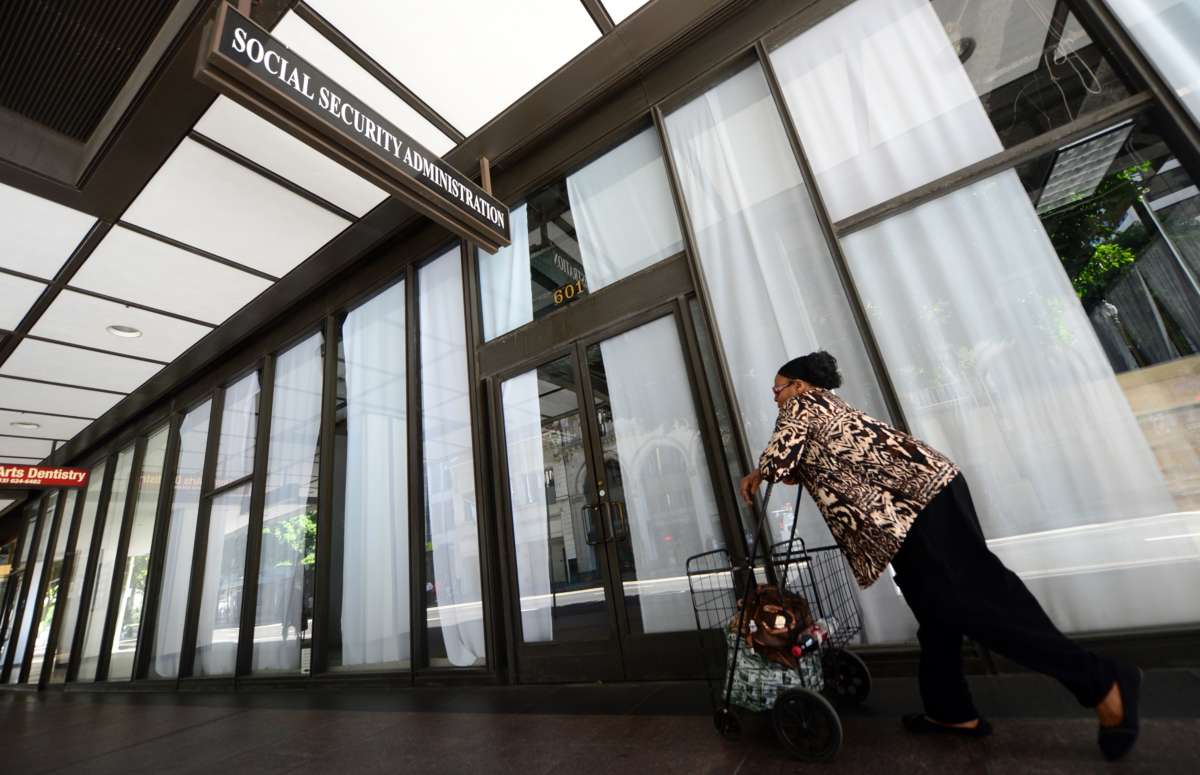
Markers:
point(955, 587)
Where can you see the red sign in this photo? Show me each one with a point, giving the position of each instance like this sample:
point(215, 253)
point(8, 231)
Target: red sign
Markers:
point(39, 476)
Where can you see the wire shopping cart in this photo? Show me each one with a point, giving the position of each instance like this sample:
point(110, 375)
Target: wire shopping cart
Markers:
point(723, 591)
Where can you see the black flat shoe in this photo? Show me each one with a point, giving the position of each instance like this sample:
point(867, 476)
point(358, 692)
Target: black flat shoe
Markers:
point(919, 724)
point(1117, 741)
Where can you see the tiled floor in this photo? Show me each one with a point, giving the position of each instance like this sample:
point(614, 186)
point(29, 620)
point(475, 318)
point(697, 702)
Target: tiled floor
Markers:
point(623, 728)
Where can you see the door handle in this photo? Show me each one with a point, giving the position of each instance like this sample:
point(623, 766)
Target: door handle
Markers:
point(619, 527)
point(592, 531)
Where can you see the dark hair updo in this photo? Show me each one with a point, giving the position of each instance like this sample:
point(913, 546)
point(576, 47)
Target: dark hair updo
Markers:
point(819, 368)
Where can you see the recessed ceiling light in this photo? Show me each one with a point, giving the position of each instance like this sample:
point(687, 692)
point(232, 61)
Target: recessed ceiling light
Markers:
point(25, 425)
point(126, 332)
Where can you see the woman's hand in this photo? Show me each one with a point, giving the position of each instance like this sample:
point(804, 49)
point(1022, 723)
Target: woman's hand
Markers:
point(749, 486)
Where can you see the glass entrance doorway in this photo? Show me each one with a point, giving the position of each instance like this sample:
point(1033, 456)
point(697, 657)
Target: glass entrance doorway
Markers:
point(610, 490)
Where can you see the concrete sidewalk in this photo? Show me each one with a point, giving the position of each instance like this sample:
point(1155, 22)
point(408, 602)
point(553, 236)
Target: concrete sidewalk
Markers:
point(627, 728)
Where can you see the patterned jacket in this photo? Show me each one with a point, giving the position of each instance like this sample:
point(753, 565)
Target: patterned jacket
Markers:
point(869, 479)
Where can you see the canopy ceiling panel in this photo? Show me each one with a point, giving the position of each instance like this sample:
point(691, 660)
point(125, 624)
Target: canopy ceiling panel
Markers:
point(66, 365)
point(16, 296)
point(620, 10)
point(468, 59)
point(147, 271)
point(255, 138)
point(208, 201)
point(84, 320)
point(54, 399)
point(12, 446)
point(299, 36)
point(38, 235)
point(48, 426)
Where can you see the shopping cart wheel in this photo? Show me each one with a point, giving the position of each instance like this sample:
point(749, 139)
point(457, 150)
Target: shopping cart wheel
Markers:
point(847, 679)
point(807, 724)
point(727, 724)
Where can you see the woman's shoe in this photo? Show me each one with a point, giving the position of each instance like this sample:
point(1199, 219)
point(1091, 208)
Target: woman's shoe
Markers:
point(1117, 741)
point(919, 724)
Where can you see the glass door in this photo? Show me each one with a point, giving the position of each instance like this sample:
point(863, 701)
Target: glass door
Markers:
point(609, 492)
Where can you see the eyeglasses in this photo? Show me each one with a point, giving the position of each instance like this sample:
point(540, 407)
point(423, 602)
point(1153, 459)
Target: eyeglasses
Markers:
point(777, 389)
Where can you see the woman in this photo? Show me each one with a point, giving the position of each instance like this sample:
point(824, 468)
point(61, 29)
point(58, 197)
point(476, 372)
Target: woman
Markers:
point(889, 498)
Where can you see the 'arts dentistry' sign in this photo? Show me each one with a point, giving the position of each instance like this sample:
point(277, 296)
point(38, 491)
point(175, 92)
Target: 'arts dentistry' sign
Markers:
point(41, 476)
point(244, 62)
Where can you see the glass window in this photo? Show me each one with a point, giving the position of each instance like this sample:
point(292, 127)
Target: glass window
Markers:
point(610, 219)
point(53, 586)
point(890, 94)
point(369, 581)
point(239, 424)
point(79, 562)
point(1167, 31)
point(17, 577)
point(181, 542)
point(137, 560)
point(106, 565)
point(219, 617)
point(283, 618)
point(33, 582)
point(453, 588)
point(772, 282)
point(1040, 328)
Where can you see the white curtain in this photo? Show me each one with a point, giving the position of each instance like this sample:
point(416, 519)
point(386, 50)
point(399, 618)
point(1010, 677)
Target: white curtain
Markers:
point(449, 464)
point(526, 482)
point(997, 364)
point(34, 574)
point(181, 539)
point(670, 517)
point(505, 281)
point(775, 292)
point(289, 507)
point(221, 592)
point(235, 453)
point(1168, 32)
point(623, 211)
point(881, 102)
point(83, 545)
point(106, 565)
point(375, 585)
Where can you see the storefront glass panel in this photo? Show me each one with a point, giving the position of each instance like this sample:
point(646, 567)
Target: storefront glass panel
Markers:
point(221, 596)
point(16, 579)
point(79, 561)
point(34, 574)
point(453, 587)
point(220, 609)
point(1167, 31)
point(605, 222)
point(106, 565)
point(283, 617)
point(181, 542)
point(774, 289)
point(370, 604)
point(1040, 327)
point(137, 560)
point(53, 586)
point(890, 94)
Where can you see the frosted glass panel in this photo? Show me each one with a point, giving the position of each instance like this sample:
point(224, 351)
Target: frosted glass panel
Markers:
point(181, 538)
point(106, 565)
point(454, 597)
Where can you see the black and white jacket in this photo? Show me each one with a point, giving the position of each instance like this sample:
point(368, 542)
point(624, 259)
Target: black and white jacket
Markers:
point(869, 480)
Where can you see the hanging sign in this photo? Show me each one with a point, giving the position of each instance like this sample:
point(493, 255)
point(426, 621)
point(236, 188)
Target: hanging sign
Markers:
point(42, 476)
point(243, 61)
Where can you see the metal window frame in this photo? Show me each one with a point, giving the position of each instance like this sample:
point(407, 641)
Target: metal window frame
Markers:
point(119, 560)
point(14, 629)
point(93, 557)
point(64, 590)
point(43, 579)
point(158, 545)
